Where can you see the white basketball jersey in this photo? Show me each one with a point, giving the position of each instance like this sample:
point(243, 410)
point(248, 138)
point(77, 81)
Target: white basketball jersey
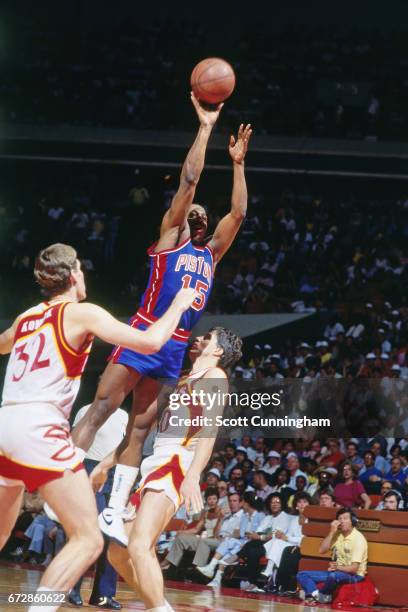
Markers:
point(42, 366)
point(176, 433)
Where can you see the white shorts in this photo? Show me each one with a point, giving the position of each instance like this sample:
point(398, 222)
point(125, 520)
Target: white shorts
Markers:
point(164, 471)
point(35, 445)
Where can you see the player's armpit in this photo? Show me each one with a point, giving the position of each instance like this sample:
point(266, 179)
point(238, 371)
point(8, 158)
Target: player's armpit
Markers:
point(225, 233)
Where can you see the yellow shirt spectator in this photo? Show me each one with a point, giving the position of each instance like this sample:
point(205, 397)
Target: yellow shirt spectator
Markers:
point(351, 549)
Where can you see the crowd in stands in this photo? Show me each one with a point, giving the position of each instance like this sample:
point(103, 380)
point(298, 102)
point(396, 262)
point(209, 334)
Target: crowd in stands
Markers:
point(341, 258)
point(300, 80)
point(296, 251)
point(255, 493)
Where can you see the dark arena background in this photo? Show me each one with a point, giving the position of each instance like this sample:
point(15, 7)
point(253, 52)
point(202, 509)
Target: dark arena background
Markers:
point(95, 123)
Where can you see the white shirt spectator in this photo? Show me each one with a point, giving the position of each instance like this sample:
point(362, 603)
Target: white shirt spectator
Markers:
point(355, 331)
point(263, 493)
point(109, 436)
point(230, 523)
point(280, 522)
point(331, 331)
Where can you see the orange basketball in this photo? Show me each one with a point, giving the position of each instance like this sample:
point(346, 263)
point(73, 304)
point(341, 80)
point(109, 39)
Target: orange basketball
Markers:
point(213, 80)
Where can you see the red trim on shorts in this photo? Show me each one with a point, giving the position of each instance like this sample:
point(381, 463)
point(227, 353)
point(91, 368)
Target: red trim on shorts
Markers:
point(33, 478)
point(172, 467)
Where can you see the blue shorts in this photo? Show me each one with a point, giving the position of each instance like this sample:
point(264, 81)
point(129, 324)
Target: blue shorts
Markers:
point(167, 363)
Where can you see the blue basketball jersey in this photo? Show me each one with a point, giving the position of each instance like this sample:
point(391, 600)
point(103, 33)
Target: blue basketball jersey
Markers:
point(185, 266)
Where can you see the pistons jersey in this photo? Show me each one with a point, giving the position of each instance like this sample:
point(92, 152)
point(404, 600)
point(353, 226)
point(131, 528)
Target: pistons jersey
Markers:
point(184, 266)
point(43, 367)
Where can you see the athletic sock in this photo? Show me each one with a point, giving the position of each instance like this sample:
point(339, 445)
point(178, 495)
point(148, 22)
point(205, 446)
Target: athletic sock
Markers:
point(40, 608)
point(213, 563)
point(269, 568)
point(168, 606)
point(81, 453)
point(125, 476)
point(158, 609)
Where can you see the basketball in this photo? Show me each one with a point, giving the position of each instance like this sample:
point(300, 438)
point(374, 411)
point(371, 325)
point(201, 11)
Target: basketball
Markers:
point(213, 80)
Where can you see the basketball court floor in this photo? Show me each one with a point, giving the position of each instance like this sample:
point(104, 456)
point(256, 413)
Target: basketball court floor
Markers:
point(183, 597)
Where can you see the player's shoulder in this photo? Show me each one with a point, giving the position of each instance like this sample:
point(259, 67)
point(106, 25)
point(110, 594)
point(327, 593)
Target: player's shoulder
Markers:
point(83, 308)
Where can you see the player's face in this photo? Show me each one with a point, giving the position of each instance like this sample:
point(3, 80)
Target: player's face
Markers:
point(204, 345)
point(79, 279)
point(198, 222)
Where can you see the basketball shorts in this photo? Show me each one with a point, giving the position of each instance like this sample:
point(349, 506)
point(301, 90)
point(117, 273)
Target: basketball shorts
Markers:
point(35, 445)
point(167, 363)
point(164, 471)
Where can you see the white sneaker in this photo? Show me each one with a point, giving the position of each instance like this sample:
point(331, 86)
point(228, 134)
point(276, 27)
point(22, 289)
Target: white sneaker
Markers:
point(232, 560)
point(325, 598)
point(215, 583)
point(206, 570)
point(111, 524)
point(244, 584)
point(252, 588)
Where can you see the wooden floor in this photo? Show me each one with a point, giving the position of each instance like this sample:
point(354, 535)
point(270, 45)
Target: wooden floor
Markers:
point(183, 597)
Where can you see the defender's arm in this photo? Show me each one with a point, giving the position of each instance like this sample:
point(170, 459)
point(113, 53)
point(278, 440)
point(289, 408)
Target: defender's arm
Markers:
point(92, 319)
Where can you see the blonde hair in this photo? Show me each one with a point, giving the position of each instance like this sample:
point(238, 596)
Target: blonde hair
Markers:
point(53, 267)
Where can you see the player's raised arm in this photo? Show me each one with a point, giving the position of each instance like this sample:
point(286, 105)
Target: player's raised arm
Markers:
point(94, 320)
point(192, 168)
point(215, 384)
point(7, 339)
point(229, 225)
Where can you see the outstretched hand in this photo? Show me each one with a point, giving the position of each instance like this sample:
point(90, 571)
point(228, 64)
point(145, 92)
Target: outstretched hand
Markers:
point(207, 117)
point(238, 148)
point(191, 495)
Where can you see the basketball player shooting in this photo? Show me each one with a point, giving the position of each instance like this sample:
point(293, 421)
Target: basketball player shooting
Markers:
point(49, 345)
point(171, 475)
point(182, 257)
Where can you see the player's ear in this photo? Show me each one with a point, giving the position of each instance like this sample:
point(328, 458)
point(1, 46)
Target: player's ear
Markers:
point(218, 351)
